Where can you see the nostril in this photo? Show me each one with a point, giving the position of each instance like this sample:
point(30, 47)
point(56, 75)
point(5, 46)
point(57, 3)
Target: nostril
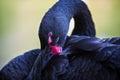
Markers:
point(56, 41)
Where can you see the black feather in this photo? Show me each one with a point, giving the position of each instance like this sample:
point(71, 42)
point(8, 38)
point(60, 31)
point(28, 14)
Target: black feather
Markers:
point(83, 57)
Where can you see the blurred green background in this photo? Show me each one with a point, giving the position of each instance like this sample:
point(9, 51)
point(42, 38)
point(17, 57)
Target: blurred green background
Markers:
point(20, 19)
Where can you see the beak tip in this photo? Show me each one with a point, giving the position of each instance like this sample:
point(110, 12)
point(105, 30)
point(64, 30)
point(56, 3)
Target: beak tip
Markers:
point(56, 49)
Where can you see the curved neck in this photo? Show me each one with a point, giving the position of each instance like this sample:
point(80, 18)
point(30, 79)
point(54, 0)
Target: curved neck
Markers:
point(57, 20)
point(84, 24)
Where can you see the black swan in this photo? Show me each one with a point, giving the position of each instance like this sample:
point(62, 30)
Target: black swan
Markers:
point(98, 62)
point(66, 66)
point(19, 67)
point(52, 40)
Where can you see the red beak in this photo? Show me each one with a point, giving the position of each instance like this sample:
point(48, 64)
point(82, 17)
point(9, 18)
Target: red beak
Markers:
point(56, 49)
